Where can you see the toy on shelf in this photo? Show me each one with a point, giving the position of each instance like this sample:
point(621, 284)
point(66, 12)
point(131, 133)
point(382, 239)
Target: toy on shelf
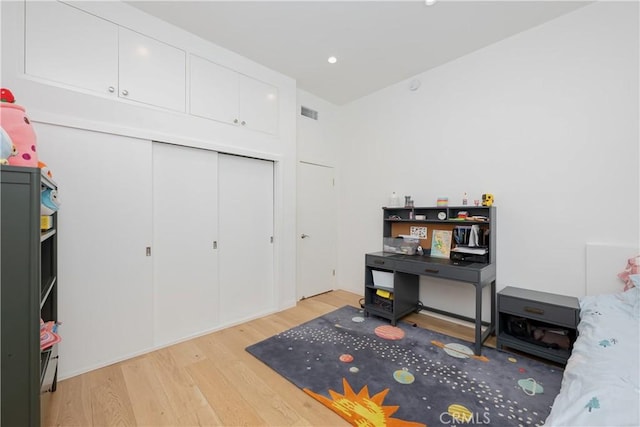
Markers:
point(7, 147)
point(487, 199)
point(49, 203)
point(44, 170)
point(17, 126)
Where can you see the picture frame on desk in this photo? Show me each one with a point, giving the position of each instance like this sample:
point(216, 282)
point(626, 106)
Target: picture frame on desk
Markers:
point(441, 244)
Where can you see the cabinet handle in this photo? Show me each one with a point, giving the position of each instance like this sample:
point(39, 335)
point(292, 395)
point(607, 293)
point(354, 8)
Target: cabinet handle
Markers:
point(431, 270)
point(125, 92)
point(243, 123)
point(148, 251)
point(534, 310)
point(235, 121)
point(377, 261)
point(112, 89)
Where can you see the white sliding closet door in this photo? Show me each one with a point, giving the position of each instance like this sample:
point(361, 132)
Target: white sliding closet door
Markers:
point(245, 230)
point(185, 261)
point(104, 275)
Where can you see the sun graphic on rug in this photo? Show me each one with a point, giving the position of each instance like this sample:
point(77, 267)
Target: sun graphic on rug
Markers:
point(361, 409)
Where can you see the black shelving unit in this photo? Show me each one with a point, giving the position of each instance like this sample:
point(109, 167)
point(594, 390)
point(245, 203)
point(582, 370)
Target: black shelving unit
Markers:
point(29, 293)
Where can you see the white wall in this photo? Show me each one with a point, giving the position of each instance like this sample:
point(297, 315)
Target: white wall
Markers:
point(547, 120)
point(317, 139)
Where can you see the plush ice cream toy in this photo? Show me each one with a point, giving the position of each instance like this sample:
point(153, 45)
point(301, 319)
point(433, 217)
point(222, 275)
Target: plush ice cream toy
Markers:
point(15, 123)
point(7, 148)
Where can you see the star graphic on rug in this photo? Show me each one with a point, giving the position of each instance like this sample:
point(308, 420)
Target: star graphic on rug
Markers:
point(361, 409)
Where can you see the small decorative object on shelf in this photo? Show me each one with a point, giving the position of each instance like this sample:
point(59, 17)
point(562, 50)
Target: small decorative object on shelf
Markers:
point(465, 199)
point(394, 200)
point(408, 203)
point(442, 201)
point(487, 199)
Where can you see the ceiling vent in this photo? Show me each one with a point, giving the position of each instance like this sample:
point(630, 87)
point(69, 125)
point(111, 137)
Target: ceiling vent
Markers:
point(308, 112)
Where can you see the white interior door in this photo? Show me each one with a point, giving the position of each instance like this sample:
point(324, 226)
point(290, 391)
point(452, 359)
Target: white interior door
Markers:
point(105, 294)
point(316, 230)
point(245, 200)
point(185, 262)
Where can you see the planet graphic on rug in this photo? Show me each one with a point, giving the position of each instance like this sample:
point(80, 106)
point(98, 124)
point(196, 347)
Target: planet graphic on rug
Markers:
point(403, 376)
point(357, 319)
point(346, 358)
point(530, 386)
point(459, 413)
point(459, 351)
point(389, 332)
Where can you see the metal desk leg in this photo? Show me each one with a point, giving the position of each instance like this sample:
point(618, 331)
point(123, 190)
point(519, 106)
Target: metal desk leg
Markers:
point(478, 343)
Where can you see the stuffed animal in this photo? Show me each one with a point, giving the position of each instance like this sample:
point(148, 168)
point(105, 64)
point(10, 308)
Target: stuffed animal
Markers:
point(7, 147)
point(15, 123)
point(44, 170)
point(49, 202)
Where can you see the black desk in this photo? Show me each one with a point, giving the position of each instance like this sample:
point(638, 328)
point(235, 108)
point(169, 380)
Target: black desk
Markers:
point(407, 270)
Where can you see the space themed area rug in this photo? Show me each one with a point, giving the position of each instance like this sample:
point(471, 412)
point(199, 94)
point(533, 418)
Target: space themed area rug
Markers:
point(374, 374)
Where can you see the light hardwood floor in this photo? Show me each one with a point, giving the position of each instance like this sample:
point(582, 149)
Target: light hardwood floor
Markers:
point(210, 380)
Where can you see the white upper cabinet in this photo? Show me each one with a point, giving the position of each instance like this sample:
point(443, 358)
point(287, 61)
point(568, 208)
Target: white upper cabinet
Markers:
point(68, 46)
point(258, 105)
point(151, 71)
point(219, 93)
point(214, 91)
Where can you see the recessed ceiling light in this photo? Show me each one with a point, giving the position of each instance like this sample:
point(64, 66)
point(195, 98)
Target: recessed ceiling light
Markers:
point(332, 60)
point(429, 2)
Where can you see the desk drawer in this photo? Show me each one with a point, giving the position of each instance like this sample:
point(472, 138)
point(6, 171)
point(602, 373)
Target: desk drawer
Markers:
point(380, 262)
point(543, 312)
point(438, 270)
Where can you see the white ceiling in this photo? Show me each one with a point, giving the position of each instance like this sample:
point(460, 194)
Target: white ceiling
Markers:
point(377, 43)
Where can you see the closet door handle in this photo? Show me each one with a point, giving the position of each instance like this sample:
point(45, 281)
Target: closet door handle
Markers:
point(431, 270)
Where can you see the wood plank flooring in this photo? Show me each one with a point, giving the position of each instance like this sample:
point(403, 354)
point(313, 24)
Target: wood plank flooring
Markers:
point(208, 381)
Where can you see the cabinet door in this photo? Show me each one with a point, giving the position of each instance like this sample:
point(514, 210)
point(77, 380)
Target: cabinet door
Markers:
point(151, 72)
point(184, 239)
point(66, 45)
point(245, 201)
point(213, 91)
point(105, 298)
point(258, 105)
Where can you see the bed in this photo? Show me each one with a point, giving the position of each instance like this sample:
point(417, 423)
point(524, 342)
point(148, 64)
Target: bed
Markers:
point(601, 382)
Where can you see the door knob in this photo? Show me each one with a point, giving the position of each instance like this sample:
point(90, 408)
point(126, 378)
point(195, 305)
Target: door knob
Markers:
point(304, 236)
